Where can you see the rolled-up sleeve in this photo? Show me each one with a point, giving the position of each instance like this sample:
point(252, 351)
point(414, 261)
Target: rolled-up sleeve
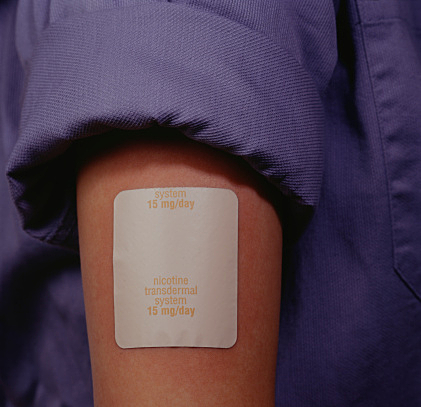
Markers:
point(217, 80)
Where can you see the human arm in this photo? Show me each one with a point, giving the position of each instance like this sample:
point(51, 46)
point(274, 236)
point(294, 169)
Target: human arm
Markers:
point(243, 375)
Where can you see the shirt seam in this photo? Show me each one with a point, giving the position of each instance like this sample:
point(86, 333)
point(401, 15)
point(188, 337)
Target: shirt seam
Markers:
point(380, 133)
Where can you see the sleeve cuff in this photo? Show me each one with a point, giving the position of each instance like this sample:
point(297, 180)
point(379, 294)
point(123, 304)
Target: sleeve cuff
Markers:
point(164, 64)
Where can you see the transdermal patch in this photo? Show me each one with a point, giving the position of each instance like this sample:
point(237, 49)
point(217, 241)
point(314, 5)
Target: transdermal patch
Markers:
point(175, 267)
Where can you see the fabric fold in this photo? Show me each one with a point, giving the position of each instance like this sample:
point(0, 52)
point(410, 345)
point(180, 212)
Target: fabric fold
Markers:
point(214, 79)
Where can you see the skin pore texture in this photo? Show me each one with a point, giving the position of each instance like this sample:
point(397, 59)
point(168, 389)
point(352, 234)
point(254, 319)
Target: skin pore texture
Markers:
point(243, 375)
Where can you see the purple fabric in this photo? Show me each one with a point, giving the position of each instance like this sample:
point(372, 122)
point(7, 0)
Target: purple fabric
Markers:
point(322, 98)
point(240, 92)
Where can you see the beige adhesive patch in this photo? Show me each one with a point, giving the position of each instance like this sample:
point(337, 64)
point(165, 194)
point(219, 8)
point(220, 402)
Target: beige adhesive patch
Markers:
point(175, 267)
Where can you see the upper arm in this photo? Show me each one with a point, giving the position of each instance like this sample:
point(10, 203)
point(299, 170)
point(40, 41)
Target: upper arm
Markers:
point(242, 375)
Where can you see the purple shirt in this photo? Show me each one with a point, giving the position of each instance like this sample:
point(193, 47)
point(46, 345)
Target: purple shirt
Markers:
point(323, 99)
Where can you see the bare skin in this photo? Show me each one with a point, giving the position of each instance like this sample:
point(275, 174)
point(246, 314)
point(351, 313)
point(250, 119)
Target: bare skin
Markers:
point(243, 375)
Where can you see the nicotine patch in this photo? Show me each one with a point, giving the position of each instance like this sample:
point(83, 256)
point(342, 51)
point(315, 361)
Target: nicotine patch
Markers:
point(175, 267)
